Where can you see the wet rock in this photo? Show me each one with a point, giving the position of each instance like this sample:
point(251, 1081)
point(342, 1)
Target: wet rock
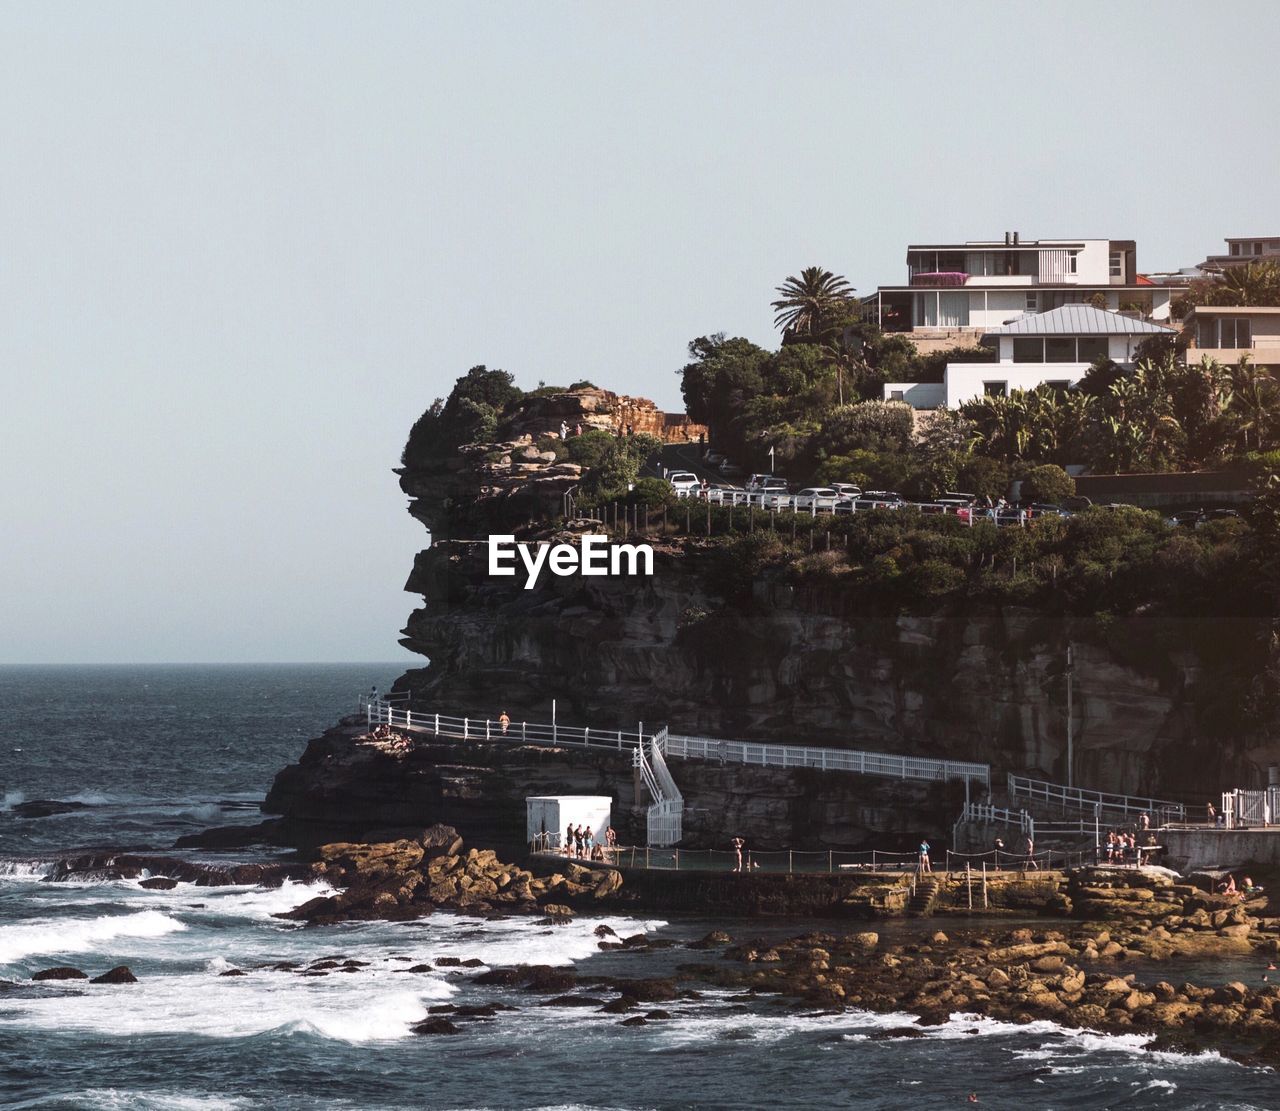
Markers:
point(572, 1001)
point(448, 962)
point(45, 808)
point(500, 977)
point(61, 972)
point(436, 1026)
point(233, 972)
point(545, 979)
point(158, 883)
point(618, 1006)
point(658, 1014)
point(121, 974)
point(604, 931)
point(638, 1020)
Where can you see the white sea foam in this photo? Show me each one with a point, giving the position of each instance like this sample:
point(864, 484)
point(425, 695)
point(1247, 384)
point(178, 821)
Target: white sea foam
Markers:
point(117, 1099)
point(79, 935)
point(10, 799)
point(24, 870)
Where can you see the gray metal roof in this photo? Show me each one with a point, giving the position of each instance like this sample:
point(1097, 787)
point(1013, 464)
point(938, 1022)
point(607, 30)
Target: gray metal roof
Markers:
point(1079, 320)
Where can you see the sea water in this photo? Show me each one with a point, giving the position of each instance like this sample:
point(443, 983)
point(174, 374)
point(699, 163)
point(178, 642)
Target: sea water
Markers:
point(155, 752)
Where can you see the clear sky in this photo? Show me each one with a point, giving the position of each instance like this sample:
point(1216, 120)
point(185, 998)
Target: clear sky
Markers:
point(242, 246)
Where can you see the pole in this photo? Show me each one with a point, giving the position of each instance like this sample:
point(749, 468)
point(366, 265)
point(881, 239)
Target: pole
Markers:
point(1070, 736)
point(553, 721)
point(984, 885)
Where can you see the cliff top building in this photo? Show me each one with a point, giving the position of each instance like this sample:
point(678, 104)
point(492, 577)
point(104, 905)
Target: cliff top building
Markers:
point(1244, 250)
point(958, 292)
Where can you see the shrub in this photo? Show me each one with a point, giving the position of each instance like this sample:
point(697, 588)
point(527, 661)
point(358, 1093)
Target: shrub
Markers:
point(878, 426)
point(652, 492)
point(1047, 483)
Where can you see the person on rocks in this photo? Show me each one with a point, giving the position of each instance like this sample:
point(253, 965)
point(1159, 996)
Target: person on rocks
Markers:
point(737, 844)
point(925, 866)
point(1210, 813)
point(568, 840)
point(998, 845)
point(588, 842)
point(577, 841)
point(1144, 821)
point(504, 721)
point(1030, 846)
point(611, 843)
point(564, 430)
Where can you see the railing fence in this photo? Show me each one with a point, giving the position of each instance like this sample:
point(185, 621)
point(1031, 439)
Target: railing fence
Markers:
point(1161, 811)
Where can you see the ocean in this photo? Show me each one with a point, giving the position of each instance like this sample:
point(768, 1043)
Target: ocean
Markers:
point(154, 752)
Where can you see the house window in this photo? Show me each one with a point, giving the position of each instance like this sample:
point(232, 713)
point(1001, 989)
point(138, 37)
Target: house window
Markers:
point(1234, 331)
point(1235, 248)
point(1030, 303)
point(896, 395)
point(1060, 349)
point(1028, 350)
point(1060, 386)
point(995, 389)
point(1207, 332)
point(1257, 248)
point(1117, 264)
point(1073, 262)
point(1089, 349)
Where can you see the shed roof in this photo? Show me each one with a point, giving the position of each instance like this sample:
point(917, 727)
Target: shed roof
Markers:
point(1079, 320)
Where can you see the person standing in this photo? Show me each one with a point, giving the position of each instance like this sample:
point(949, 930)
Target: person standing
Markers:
point(577, 841)
point(568, 840)
point(925, 866)
point(504, 721)
point(564, 430)
point(738, 844)
point(1030, 861)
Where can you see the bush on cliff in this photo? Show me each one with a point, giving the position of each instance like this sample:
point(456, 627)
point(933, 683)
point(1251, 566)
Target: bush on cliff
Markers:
point(470, 414)
point(1047, 483)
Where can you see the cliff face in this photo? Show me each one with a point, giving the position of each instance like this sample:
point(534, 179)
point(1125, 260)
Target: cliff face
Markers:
point(347, 788)
point(791, 664)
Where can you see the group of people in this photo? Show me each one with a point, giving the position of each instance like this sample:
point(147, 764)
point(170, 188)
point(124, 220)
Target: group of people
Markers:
point(581, 843)
point(1122, 848)
point(564, 430)
point(1246, 889)
point(1028, 856)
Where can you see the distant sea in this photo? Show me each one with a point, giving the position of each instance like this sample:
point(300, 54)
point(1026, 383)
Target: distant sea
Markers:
point(155, 752)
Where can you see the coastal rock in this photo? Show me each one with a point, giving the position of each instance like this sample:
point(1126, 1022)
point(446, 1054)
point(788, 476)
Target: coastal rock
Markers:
point(158, 883)
point(45, 808)
point(436, 1026)
point(121, 974)
point(61, 972)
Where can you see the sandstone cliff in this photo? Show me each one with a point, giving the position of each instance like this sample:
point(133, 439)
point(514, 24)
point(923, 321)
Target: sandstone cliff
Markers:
point(793, 664)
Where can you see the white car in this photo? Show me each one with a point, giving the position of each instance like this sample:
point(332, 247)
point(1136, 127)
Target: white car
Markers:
point(817, 498)
point(684, 482)
point(767, 484)
point(847, 489)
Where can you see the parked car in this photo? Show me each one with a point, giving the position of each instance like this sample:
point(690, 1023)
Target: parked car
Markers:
point(1076, 504)
point(1045, 509)
point(1218, 515)
point(885, 496)
point(847, 489)
point(878, 499)
point(713, 458)
point(770, 483)
point(729, 468)
point(683, 482)
point(955, 497)
point(816, 498)
point(1187, 518)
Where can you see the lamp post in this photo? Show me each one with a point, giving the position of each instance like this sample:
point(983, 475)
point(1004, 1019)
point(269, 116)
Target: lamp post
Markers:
point(771, 460)
point(1070, 731)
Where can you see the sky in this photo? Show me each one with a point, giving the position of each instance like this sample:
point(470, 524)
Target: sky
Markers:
point(243, 246)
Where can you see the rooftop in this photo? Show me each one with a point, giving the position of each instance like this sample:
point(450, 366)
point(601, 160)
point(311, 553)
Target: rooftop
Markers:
point(1079, 320)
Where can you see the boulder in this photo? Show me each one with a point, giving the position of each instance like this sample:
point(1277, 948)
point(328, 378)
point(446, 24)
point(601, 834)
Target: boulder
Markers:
point(61, 972)
point(158, 883)
point(436, 1026)
point(121, 974)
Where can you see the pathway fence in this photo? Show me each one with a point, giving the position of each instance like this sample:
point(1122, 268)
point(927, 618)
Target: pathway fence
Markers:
point(1243, 809)
point(831, 862)
point(1105, 805)
point(887, 764)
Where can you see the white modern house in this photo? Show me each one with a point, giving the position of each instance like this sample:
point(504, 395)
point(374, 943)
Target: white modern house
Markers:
point(1054, 348)
point(956, 292)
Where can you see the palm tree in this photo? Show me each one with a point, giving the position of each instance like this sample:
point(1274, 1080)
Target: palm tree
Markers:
point(1254, 404)
point(810, 300)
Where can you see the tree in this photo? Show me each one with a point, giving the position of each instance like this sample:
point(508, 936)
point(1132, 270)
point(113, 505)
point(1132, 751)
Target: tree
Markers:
point(1257, 283)
point(471, 413)
point(1047, 483)
point(868, 426)
point(723, 374)
point(810, 304)
point(1254, 406)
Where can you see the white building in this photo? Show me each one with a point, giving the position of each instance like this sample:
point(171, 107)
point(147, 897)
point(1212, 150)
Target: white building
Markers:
point(956, 292)
point(547, 816)
point(1053, 348)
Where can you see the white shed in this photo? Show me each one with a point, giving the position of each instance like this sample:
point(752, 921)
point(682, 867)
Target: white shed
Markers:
point(553, 814)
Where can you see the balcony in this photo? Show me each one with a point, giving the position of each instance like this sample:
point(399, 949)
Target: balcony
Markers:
point(939, 279)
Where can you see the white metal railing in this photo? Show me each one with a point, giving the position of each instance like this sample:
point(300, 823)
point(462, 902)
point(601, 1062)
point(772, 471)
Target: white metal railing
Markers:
point(997, 815)
point(1161, 811)
point(493, 729)
point(665, 815)
point(886, 764)
point(775, 503)
point(1244, 808)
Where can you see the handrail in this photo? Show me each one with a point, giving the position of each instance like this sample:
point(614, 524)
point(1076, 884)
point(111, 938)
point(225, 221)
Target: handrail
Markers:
point(886, 764)
point(890, 765)
point(1078, 798)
